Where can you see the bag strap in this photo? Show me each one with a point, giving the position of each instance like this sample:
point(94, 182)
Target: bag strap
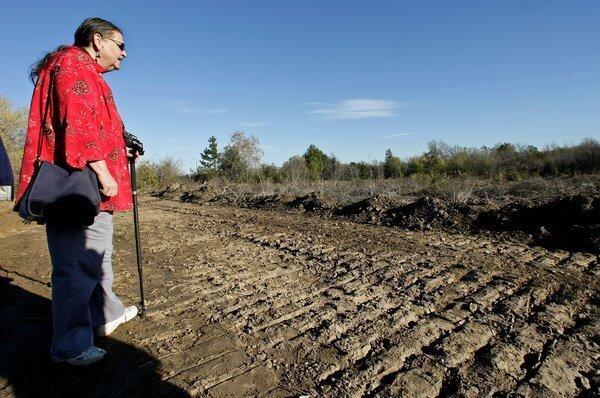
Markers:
point(53, 72)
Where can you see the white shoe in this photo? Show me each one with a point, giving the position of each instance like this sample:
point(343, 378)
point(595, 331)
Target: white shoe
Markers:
point(129, 314)
point(89, 356)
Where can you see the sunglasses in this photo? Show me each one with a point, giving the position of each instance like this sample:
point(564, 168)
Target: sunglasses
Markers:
point(119, 44)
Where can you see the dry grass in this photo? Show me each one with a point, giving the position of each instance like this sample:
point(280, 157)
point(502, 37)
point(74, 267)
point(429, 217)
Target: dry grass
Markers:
point(452, 190)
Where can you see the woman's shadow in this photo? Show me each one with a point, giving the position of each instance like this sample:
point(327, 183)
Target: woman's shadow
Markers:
point(27, 370)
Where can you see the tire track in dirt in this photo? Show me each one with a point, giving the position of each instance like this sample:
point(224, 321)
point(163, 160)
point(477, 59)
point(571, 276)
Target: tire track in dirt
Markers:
point(412, 341)
point(260, 303)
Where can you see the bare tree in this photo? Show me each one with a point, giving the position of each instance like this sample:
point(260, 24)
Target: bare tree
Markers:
point(247, 147)
point(295, 168)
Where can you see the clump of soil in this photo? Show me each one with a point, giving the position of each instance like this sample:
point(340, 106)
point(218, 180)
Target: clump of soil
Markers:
point(169, 192)
point(313, 202)
point(201, 194)
point(271, 202)
point(369, 210)
point(572, 222)
point(424, 213)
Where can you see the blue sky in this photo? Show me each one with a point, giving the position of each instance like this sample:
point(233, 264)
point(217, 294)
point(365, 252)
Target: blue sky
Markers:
point(352, 77)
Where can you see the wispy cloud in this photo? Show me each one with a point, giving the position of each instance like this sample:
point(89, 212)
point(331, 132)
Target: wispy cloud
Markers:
point(217, 110)
point(252, 124)
point(387, 137)
point(187, 107)
point(358, 108)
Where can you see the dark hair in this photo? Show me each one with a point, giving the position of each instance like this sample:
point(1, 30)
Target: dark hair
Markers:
point(84, 35)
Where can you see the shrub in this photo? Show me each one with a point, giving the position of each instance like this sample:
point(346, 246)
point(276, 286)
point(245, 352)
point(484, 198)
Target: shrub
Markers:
point(295, 169)
point(147, 175)
point(315, 161)
point(232, 165)
point(392, 165)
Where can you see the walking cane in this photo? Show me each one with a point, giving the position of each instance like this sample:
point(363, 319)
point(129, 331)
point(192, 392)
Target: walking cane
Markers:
point(136, 223)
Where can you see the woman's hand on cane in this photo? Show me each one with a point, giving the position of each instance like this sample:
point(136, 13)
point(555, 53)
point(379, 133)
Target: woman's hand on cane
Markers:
point(133, 145)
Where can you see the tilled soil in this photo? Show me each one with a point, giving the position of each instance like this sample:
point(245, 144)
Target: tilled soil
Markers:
point(247, 302)
point(569, 221)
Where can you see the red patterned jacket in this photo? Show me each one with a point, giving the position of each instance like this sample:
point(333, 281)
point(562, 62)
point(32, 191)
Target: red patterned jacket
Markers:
point(82, 124)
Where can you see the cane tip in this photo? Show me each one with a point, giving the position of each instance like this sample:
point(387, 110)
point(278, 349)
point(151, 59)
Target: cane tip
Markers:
point(144, 314)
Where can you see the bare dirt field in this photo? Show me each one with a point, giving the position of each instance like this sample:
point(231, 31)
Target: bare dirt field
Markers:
point(254, 302)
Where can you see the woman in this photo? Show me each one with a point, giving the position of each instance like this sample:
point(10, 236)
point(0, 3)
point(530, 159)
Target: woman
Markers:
point(82, 128)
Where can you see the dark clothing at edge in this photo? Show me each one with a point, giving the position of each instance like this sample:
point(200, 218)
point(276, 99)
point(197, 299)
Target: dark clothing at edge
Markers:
point(6, 174)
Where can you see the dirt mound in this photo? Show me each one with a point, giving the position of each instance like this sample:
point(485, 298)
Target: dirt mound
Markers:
point(201, 194)
point(571, 223)
point(313, 202)
point(369, 210)
point(421, 213)
point(271, 202)
point(425, 213)
point(170, 192)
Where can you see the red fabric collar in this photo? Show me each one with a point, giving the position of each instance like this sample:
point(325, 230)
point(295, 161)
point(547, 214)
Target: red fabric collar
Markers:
point(99, 68)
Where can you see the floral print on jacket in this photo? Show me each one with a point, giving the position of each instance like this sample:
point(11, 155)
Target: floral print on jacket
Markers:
point(82, 124)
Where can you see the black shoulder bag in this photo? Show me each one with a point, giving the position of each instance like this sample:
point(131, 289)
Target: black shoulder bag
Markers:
point(56, 194)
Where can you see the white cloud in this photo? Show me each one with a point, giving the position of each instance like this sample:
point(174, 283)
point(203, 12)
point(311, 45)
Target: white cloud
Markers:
point(252, 124)
point(188, 107)
point(217, 110)
point(387, 137)
point(358, 108)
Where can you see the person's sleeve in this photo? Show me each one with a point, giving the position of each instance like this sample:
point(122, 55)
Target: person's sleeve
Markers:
point(78, 109)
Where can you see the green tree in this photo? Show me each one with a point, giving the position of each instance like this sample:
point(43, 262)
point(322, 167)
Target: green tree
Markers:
point(331, 168)
point(315, 161)
point(505, 157)
point(232, 164)
point(270, 172)
point(210, 157)
point(435, 157)
point(392, 165)
point(362, 170)
point(416, 165)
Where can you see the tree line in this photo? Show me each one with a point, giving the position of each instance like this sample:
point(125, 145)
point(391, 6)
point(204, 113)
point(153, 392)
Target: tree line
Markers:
point(240, 162)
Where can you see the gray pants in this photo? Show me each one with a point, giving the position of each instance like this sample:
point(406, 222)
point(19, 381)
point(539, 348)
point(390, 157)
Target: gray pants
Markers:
point(82, 278)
